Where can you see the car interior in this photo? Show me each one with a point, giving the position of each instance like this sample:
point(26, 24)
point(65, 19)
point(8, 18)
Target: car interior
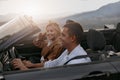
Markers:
point(97, 44)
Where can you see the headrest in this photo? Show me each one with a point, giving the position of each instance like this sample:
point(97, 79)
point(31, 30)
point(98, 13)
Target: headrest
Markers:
point(118, 28)
point(95, 40)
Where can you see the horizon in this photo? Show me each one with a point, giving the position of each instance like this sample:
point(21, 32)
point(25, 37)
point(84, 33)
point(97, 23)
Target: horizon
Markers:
point(52, 8)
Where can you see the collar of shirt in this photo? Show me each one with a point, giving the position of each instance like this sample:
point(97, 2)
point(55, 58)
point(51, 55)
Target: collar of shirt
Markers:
point(77, 51)
point(49, 43)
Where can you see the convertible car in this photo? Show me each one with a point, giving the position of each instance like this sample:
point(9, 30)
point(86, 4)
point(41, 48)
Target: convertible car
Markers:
point(102, 46)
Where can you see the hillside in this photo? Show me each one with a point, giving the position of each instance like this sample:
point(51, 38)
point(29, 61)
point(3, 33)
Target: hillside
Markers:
point(108, 14)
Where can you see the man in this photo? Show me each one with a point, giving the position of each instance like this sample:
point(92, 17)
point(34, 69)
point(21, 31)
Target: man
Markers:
point(71, 37)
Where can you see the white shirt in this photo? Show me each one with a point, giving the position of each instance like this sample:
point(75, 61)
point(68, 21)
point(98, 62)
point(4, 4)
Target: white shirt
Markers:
point(77, 51)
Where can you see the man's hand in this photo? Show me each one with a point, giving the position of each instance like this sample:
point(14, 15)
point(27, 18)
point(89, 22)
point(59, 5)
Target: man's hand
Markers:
point(28, 64)
point(18, 64)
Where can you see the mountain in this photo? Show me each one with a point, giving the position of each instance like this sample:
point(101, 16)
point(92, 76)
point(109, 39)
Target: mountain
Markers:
point(108, 14)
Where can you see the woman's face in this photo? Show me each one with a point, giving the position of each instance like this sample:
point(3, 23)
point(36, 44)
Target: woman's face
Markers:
point(51, 33)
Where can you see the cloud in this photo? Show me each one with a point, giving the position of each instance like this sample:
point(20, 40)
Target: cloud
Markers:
point(84, 0)
point(3, 0)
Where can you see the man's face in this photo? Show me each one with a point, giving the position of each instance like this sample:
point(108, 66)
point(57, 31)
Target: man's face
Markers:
point(66, 38)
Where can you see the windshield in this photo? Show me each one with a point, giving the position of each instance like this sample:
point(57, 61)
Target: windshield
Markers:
point(12, 27)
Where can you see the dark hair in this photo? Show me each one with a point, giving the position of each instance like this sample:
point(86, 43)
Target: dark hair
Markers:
point(75, 29)
point(69, 21)
point(118, 28)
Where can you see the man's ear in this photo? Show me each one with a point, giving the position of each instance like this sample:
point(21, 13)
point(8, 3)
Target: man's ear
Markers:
point(73, 38)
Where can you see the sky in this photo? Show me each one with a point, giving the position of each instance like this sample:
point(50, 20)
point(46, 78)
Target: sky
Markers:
point(50, 7)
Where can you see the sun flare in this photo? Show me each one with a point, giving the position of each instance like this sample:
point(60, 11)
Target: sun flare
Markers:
point(29, 8)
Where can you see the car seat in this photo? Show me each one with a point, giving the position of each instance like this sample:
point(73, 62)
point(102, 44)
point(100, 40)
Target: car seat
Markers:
point(97, 45)
point(116, 38)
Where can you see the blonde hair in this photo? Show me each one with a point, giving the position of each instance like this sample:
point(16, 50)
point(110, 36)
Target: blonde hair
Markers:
point(56, 27)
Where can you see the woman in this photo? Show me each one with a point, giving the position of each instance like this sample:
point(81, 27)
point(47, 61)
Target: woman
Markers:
point(49, 42)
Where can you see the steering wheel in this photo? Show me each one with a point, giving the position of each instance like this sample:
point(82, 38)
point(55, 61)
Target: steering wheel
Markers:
point(8, 56)
point(13, 53)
